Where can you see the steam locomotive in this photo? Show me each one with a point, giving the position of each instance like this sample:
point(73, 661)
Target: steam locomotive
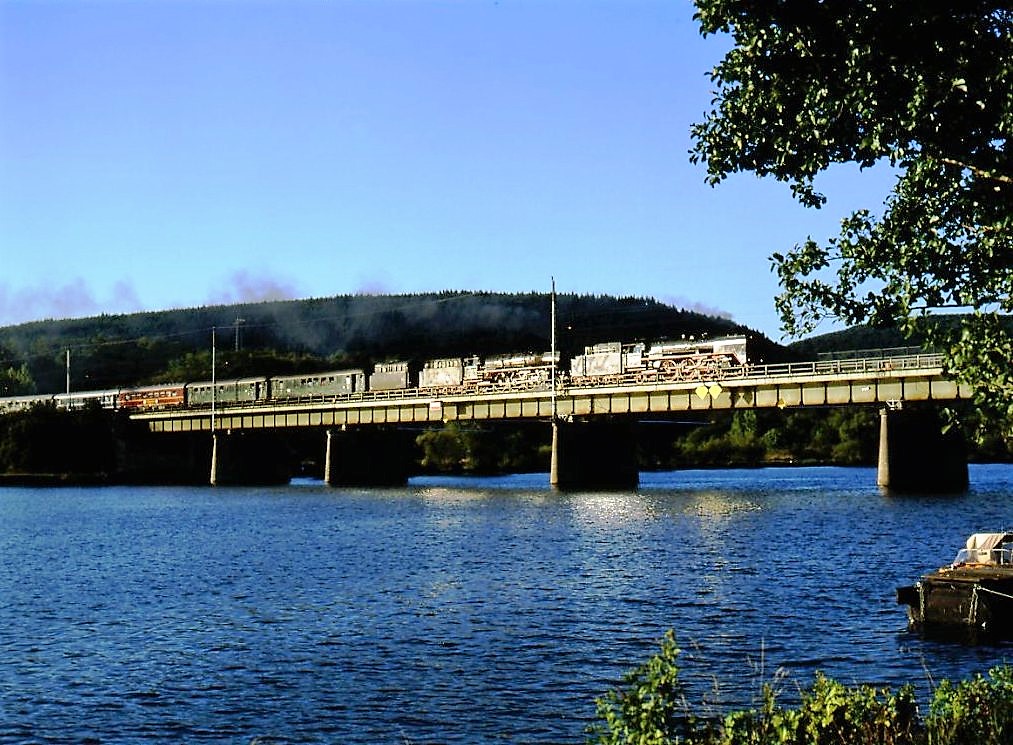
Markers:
point(615, 363)
point(607, 363)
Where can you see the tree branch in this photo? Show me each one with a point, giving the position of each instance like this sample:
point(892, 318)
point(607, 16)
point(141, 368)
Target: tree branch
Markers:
point(980, 172)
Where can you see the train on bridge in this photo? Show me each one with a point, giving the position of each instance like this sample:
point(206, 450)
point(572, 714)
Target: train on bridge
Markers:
point(608, 363)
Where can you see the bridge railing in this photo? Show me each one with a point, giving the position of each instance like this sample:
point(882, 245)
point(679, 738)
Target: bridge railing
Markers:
point(880, 365)
point(871, 353)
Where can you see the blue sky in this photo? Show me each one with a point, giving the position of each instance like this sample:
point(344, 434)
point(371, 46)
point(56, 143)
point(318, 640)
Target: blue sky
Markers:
point(176, 153)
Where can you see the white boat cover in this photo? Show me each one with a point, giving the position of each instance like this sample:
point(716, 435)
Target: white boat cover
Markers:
point(986, 548)
point(988, 541)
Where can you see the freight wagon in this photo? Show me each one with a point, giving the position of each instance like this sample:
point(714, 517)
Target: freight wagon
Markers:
point(390, 376)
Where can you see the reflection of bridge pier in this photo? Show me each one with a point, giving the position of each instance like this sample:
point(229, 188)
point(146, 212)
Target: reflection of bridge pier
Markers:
point(915, 455)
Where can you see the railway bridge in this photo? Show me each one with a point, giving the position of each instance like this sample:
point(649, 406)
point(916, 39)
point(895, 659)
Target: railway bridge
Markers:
point(592, 443)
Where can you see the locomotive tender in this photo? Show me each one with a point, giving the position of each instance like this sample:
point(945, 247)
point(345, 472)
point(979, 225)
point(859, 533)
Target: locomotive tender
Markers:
point(606, 363)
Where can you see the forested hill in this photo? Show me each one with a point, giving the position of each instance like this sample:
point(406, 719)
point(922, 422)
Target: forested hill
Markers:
point(869, 337)
point(300, 335)
point(854, 339)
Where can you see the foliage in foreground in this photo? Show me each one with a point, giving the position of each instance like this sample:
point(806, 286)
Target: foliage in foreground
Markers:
point(810, 84)
point(649, 709)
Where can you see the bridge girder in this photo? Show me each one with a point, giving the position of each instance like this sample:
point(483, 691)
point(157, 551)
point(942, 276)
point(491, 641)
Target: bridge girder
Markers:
point(800, 391)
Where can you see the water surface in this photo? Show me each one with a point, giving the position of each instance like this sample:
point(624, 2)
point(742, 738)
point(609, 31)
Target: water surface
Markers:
point(456, 610)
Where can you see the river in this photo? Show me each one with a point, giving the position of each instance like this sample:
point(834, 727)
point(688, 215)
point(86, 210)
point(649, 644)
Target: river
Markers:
point(457, 610)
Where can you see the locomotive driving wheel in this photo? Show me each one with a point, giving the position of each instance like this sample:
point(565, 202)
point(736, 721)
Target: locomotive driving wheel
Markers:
point(709, 369)
point(688, 369)
point(669, 370)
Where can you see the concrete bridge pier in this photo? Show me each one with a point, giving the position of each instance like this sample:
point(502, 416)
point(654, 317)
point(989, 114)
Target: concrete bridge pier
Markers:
point(594, 455)
point(244, 458)
point(214, 458)
point(915, 455)
point(366, 457)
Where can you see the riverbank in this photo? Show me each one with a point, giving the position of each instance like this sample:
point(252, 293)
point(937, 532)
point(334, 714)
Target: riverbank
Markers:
point(55, 479)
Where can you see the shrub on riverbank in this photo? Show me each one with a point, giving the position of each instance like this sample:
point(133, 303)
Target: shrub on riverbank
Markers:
point(650, 709)
point(47, 440)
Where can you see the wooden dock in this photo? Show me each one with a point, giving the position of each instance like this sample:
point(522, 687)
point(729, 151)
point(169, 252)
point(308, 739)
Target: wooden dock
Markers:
point(974, 601)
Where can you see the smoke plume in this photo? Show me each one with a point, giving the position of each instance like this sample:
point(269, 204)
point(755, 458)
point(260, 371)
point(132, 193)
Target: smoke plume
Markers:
point(245, 287)
point(677, 301)
point(75, 299)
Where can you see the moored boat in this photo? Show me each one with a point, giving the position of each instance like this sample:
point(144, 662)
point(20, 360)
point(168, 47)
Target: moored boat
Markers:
point(972, 596)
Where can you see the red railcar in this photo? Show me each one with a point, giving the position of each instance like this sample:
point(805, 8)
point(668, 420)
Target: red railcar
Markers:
point(152, 397)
